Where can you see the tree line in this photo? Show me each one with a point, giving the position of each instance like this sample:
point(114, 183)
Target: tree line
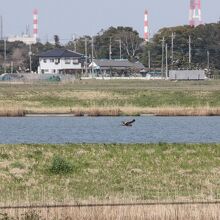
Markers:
point(125, 43)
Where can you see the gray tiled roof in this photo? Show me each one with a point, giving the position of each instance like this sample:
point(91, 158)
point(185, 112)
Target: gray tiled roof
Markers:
point(60, 53)
point(118, 64)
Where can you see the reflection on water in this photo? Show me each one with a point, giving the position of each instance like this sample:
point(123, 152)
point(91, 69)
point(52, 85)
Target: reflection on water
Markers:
point(109, 130)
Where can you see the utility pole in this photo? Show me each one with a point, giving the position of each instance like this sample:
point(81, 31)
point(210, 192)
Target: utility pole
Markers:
point(166, 62)
point(208, 60)
point(120, 48)
point(162, 65)
point(92, 56)
point(86, 52)
point(190, 51)
point(74, 42)
point(110, 49)
point(172, 46)
point(149, 60)
point(5, 55)
point(30, 58)
point(1, 23)
point(12, 67)
point(75, 45)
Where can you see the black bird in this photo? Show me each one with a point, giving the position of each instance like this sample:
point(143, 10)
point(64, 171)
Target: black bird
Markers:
point(128, 123)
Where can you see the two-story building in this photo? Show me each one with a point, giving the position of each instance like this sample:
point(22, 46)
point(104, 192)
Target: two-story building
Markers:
point(60, 61)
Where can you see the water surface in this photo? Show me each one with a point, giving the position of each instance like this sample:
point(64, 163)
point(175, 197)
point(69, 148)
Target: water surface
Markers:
point(109, 130)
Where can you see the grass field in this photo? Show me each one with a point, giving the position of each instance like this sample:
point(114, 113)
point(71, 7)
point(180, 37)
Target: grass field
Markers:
point(96, 173)
point(112, 97)
point(67, 173)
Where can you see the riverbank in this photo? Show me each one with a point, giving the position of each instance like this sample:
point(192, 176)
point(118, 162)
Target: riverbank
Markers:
point(39, 174)
point(117, 111)
point(112, 98)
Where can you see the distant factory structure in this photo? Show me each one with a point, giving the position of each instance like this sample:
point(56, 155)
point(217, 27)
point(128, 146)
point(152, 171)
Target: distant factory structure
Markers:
point(27, 38)
point(146, 27)
point(195, 13)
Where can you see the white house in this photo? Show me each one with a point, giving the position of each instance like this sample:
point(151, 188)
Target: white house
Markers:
point(60, 61)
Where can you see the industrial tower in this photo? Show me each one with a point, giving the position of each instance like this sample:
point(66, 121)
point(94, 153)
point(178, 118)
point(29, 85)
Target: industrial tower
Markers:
point(27, 38)
point(146, 26)
point(35, 24)
point(195, 15)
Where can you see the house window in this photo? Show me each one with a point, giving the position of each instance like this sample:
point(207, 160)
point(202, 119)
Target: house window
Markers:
point(67, 61)
point(45, 60)
point(57, 61)
point(75, 61)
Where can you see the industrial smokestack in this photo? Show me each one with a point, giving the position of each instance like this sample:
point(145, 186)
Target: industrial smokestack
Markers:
point(195, 14)
point(35, 24)
point(146, 26)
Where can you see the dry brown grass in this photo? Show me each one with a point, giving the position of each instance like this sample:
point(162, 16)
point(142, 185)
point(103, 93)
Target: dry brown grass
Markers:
point(135, 111)
point(156, 212)
point(12, 111)
point(180, 111)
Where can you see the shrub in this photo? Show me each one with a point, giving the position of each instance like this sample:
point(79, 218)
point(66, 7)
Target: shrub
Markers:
point(60, 165)
point(4, 156)
point(30, 215)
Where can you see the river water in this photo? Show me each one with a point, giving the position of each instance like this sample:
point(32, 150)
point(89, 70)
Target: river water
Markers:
point(109, 130)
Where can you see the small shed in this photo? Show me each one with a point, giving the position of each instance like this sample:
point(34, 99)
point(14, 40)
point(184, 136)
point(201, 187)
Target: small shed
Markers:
point(187, 75)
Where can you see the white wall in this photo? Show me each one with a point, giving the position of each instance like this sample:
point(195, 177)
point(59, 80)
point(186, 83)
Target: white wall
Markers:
point(187, 74)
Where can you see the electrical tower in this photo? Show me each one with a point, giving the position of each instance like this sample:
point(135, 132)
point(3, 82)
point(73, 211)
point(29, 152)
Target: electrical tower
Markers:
point(195, 14)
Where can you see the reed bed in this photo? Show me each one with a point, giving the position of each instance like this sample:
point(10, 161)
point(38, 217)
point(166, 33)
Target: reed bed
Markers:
point(12, 112)
point(113, 111)
point(187, 111)
point(156, 212)
point(137, 111)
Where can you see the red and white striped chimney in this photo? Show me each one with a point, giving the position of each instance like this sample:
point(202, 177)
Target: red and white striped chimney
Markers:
point(35, 23)
point(146, 26)
point(195, 16)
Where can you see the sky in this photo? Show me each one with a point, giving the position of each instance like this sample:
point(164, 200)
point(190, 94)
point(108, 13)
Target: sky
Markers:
point(68, 18)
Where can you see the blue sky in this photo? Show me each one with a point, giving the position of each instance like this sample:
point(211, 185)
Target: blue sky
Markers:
point(88, 17)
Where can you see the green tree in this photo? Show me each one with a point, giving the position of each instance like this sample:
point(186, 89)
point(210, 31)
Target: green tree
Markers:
point(204, 38)
point(57, 41)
